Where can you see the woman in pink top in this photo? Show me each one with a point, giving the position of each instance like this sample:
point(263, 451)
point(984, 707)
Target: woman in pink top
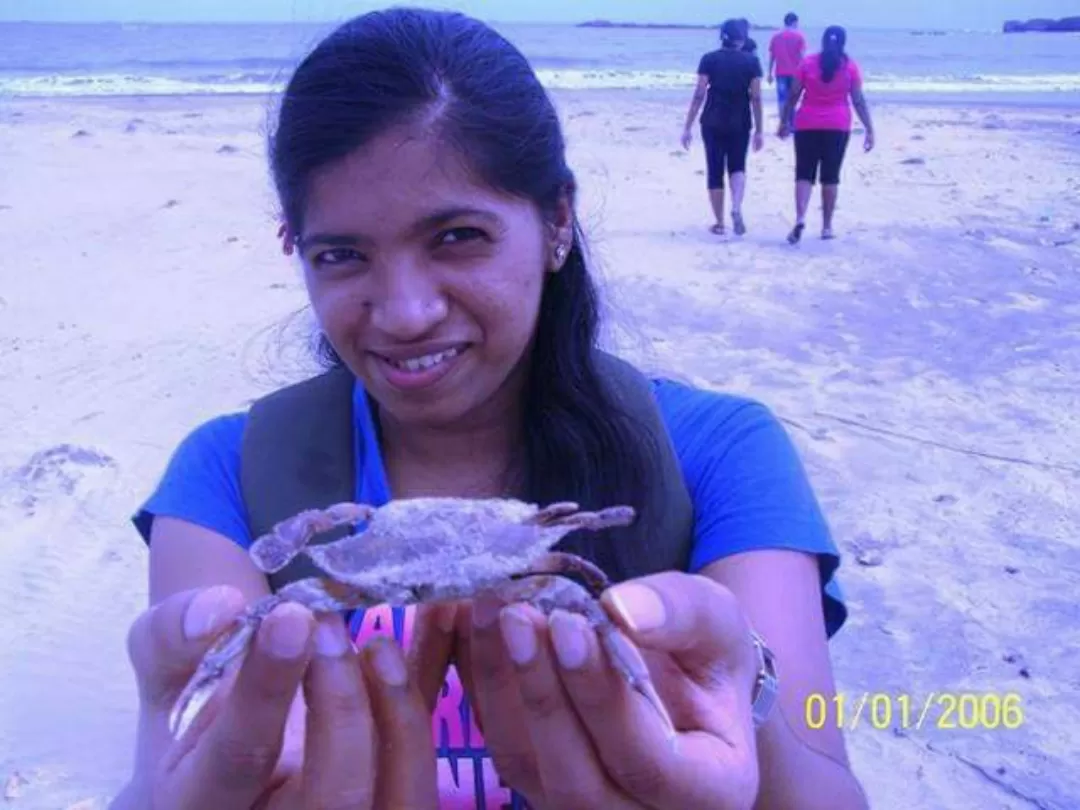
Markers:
point(825, 82)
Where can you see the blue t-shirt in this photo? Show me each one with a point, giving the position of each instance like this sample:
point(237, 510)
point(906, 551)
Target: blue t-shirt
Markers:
point(747, 483)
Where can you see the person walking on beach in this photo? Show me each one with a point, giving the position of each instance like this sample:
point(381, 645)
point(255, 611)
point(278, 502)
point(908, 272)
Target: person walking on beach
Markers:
point(825, 83)
point(786, 51)
point(729, 82)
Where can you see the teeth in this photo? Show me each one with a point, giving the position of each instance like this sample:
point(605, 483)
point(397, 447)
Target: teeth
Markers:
point(427, 360)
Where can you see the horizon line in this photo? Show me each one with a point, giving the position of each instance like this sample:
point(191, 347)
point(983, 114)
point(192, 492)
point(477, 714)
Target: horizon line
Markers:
point(490, 21)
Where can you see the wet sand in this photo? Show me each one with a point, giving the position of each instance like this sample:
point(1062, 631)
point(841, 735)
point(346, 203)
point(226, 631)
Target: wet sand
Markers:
point(926, 363)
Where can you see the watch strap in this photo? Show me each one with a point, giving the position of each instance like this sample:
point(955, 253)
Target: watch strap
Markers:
point(767, 684)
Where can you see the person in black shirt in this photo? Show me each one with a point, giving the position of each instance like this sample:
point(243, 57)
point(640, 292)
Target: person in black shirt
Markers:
point(729, 84)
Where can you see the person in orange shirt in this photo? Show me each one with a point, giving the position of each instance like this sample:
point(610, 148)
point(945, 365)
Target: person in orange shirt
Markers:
point(786, 51)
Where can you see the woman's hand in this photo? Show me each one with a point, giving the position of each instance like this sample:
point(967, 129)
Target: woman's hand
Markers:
point(565, 730)
point(360, 707)
point(783, 131)
point(687, 138)
point(868, 141)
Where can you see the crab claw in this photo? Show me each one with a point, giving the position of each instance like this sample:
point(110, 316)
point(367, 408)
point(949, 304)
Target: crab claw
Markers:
point(276, 549)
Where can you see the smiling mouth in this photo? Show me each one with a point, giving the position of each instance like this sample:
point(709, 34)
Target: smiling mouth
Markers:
point(426, 361)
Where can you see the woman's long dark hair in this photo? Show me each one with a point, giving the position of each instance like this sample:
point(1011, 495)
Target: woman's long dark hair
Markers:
point(480, 95)
point(833, 56)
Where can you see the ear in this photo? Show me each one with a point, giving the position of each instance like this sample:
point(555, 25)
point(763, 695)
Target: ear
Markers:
point(561, 230)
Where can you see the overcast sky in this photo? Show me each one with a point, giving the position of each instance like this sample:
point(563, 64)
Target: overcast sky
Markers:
point(982, 14)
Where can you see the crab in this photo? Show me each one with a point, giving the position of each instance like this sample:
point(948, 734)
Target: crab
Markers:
point(424, 550)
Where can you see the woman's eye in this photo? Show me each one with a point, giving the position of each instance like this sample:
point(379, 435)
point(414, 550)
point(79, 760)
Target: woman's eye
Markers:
point(457, 235)
point(336, 256)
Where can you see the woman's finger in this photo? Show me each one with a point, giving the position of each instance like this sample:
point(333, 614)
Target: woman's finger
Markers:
point(627, 735)
point(569, 770)
point(339, 767)
point(492, 686)
point(695, 619)
point(405, 759)
point(431, 648)
point(167, 641)
point(234, 758)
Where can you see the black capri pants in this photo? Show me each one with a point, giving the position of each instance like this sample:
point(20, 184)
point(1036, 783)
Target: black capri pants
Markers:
point(824, 147)
point(724, 150)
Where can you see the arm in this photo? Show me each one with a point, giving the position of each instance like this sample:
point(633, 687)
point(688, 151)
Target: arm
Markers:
point(755, 106)
point(801, 768)
point(858, 100)
point(759, 531)
point(196, 530)
point(862, 110)
point(696, 101)
point(792, 100)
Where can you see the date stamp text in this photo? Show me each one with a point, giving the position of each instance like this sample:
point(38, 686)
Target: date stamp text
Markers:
point(967, 711)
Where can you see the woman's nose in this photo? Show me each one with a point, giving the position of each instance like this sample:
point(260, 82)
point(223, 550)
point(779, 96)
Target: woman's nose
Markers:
point(411, 304)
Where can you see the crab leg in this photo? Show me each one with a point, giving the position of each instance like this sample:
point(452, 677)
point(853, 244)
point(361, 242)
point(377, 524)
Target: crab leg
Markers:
point(276, 549)
point(317, 595)
point(559, 562)
point(566, 514)
point(548, 593)
point(233, 642)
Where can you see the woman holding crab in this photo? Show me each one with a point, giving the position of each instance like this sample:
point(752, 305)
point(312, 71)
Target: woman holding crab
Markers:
point(421, 171)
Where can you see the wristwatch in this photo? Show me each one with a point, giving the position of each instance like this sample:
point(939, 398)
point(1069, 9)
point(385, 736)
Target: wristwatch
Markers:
point(767, 685)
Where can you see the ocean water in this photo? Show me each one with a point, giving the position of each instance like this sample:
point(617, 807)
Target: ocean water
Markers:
point(169, 59)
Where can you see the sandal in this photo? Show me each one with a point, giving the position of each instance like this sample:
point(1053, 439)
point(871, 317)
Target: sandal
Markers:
point(827, 233)
point(737, 221)
point(718, 229)
point(796, 233)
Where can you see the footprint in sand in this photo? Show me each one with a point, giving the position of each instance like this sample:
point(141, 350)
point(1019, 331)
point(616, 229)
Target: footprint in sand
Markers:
point(80, 133)
point(57, 470)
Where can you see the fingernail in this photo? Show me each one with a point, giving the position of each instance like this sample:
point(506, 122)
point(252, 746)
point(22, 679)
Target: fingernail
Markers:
point(485, 611)
point(388, 662)
point(519, 635)
point(331, 641)
point(639, 605)
point(446, 618)
point(289, 631)
point(568, 637)
point(210, 611)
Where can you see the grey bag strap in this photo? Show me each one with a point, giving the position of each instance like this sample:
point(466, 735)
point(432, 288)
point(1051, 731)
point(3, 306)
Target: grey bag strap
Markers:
point(666, 542)
point(297, 453)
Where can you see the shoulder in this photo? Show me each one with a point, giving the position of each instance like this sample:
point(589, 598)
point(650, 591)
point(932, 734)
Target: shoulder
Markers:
point(201, 481)
point(853, 67)
point(749, 488)
point(698, 418)
point(216, 441)
point(706, 61)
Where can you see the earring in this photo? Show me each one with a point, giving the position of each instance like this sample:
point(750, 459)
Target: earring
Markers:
point(560, 253)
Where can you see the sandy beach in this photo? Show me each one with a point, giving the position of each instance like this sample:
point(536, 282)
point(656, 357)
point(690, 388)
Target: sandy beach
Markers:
point(926, 362)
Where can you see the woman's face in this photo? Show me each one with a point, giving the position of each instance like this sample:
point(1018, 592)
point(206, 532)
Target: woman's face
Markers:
point(426, 283)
